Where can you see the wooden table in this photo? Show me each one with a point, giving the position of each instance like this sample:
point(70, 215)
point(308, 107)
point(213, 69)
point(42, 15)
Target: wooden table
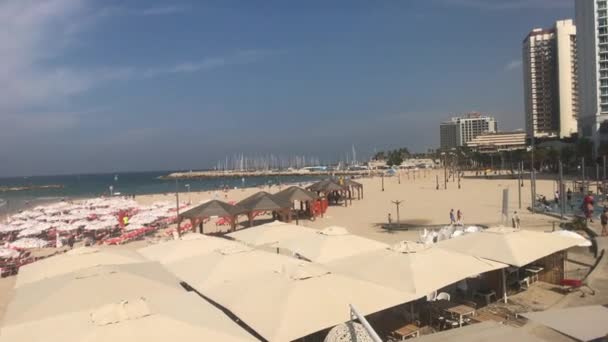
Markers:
point(487, 316)
point(410, 330)
point(461, 311)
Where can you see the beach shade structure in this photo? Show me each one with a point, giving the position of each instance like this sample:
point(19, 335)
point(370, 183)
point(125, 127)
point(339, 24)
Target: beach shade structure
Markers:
point(412, 267)
point(583, 241)
point(354, 186)
point(212, 208)
point(300, 300)
point(131, 302)
point(331, 190)
point(481, 332)
point(74, 260)
point(329, 244)
point(584, 323)
point(226, 265)
point(294, 193)
point(188, 246)
point(263, 201)
point(271, 233)
point(516, 247)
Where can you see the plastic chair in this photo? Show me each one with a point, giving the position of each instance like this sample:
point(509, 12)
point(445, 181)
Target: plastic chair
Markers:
point(443, 296)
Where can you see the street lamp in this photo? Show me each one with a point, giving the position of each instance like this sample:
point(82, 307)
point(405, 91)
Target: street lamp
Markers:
point(189, 198)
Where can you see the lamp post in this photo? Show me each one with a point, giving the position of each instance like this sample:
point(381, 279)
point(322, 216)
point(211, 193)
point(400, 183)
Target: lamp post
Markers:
point(189, 198)
point(382, 181)
point(177, 204)
point(397, 204)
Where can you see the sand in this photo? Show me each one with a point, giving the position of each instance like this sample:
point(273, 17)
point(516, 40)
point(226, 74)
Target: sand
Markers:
point(479, 199)
point(423, 205)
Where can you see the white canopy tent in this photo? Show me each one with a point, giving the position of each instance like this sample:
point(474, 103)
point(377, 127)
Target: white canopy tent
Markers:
point(134, 302)
point(271, 233)
point(74, 260)
point(301, 300)
point(413, 267)
point(190, 245)
point(517, 247)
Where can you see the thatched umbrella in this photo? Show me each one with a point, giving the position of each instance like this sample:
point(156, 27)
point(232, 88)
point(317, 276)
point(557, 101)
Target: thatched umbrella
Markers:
point(262, 201)
point(351, 184)
point(212, 208)
point(294, 193)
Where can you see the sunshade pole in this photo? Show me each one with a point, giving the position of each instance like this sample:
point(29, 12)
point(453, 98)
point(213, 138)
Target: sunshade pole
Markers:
point(504, 286)
point(354, 314)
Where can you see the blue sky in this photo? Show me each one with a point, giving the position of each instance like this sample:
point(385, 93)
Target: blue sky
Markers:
point(103, 86)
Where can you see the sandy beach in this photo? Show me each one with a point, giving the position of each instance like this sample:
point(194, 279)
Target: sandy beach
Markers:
point(423, 205)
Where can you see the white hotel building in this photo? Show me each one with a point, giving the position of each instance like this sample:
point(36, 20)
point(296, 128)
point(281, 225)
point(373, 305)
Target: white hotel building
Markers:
point(592, 25)
point(460, 130)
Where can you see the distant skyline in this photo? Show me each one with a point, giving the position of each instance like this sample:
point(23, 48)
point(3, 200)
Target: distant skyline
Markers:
point(108, 86)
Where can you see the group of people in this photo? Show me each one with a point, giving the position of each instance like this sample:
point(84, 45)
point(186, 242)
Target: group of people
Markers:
point(456, 220)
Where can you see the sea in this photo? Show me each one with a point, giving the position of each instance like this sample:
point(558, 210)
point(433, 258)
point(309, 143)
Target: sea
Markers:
point(135, 183)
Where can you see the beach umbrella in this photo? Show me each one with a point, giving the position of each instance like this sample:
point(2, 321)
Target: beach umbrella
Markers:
point(484, 331)
point(74, 260)
point(414, 267)
point(583, 243)
point(226, 265)
point(28, 243)
point(516, 247)
point(131, 302)
point(300, 300)
point(329, 244)
point(271, 233)
point(188, 246)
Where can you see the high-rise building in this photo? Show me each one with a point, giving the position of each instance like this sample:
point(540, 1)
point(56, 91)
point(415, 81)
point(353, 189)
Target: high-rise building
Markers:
point(592, 23)
point(550, 81)
point(460, 130)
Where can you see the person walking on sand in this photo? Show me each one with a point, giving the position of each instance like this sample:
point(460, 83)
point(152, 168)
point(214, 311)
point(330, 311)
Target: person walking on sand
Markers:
point(515, 220)
point(452, 218)
point(604, 221)
point(459, 217)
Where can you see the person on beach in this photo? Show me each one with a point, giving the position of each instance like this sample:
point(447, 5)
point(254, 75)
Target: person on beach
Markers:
point(459, 217)
point(452, 218)
point(604, 221)
point(569, 195)
point(515, 220)
point(556, 197)
point(588, 206)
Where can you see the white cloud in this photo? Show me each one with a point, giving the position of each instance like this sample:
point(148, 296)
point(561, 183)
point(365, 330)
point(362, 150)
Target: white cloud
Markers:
point(510, 4)
point(513, 65)
point(163, 10)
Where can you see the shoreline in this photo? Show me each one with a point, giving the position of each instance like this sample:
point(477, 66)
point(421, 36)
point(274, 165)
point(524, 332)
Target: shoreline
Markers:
point(253, 174)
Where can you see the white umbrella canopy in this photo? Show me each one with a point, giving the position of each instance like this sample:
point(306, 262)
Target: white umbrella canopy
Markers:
point(271, 233)
point(86, 289)
point(330, 244)
point(412, 267)
point(517, 247)
point(583, 241)
point(74, 260)
point(300, 300)
point(137, 302)
point(189, 246)
point(227, 265)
